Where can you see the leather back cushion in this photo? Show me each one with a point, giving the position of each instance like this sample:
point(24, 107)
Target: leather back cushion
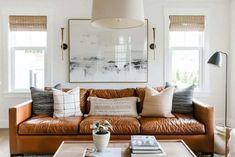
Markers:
point(110, 94)
point(140, 92)
point(83, 98)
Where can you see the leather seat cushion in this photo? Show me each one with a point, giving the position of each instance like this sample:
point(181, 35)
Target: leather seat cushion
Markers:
point(181, 124)
point(45, 125)
point(121, 125)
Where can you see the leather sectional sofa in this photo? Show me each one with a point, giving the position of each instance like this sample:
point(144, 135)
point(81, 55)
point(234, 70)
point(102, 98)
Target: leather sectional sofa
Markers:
point(41, 134)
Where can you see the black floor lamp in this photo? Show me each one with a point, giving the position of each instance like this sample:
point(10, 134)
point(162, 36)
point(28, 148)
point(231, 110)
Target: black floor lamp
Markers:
point(216, 59)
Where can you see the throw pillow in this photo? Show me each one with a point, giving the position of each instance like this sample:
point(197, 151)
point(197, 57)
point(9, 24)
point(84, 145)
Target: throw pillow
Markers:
point(42, 100)
point(170, 85)
point(140, 92)
point(67, 104)
point(110, 94)
point(113, 107)
point(183, 100)
point(158, 104)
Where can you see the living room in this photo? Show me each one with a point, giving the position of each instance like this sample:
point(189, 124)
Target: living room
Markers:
point(51, 36)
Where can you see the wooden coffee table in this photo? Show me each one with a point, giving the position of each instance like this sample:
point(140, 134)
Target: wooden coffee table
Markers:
point(172, 148)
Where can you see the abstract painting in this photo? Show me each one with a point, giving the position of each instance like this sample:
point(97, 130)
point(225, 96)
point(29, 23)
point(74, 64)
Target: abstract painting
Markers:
point(107, 55)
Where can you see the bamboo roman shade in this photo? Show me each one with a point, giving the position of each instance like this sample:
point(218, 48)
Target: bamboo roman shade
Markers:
point(187, 23)
point(28, 23)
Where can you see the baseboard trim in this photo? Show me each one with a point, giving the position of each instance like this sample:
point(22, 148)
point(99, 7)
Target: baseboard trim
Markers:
point(4, 124)
point(231, 123)
point(219, 121)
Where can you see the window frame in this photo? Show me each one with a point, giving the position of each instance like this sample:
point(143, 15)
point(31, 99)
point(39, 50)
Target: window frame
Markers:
point(167, 55)
point(7, 78)
point(12, 70)
point(201, 51)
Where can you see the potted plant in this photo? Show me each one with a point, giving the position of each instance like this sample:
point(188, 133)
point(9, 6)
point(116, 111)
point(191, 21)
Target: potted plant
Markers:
point(101, 134)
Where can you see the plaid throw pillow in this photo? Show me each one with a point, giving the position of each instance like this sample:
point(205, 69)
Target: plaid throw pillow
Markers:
point(67, 104)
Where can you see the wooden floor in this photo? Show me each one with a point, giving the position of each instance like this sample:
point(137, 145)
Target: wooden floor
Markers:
point(4, 144)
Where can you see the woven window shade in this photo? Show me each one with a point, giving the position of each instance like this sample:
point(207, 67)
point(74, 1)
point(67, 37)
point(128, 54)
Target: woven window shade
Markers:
point(28, 23)
point(187, 23)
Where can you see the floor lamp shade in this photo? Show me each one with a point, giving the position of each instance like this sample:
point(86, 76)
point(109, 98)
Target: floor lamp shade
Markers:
point(117, 14)
point(216, 59)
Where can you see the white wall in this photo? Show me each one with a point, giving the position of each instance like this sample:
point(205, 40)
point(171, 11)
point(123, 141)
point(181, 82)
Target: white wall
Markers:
point(232, 66)
point(62, 10)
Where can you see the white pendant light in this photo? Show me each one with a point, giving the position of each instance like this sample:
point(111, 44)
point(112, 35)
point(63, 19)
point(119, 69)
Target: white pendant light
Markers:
point(117, 14)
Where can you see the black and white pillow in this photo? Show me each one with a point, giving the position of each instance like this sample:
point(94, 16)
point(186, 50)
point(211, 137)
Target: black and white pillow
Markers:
point(67, 104)
point(182, 100)
point(42, 100)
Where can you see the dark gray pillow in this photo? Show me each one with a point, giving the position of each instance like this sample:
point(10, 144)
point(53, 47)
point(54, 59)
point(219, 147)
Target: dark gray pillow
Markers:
point(183, 100)
point(43, 100)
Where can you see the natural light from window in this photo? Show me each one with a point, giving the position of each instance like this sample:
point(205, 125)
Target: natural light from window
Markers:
point(186, 48)
point(27, 52)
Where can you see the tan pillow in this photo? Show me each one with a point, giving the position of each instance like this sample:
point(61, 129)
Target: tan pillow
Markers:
point(158, 104)
point(113, 107)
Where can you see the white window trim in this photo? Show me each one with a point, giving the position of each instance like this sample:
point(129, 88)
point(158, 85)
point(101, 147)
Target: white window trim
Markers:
point(167, 55)
point(12, 70)
point(6, 55)
point(201, 51)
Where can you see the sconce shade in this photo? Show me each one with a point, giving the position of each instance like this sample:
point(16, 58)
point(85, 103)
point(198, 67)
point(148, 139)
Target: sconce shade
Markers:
point(117, 14)
point(216, 59)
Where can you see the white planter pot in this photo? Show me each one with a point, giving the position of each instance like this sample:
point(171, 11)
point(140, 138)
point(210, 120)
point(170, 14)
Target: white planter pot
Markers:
point(101, 141)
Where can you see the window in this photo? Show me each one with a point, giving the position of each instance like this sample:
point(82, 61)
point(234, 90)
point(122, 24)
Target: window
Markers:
point(27, 48)
point(186, 42)
point(123, 52)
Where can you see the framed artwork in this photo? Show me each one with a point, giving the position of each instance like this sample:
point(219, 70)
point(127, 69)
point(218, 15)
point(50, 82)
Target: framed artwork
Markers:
point(107, 55)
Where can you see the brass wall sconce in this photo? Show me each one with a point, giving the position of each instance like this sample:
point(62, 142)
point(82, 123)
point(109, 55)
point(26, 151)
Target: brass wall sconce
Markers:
point(64, 46)
point(152, 46)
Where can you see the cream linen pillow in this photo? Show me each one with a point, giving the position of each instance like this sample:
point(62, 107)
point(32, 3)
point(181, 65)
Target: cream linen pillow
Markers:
point(67, 104)
point(158, 104)
point(113, 107)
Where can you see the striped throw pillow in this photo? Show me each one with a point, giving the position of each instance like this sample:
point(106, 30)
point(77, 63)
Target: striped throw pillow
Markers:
point(113, 107)
point(43, 100)
point(67, 104)
point(157, 104)
point(183, 100)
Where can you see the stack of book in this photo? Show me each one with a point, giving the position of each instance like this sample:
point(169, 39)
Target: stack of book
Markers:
point(145, 146)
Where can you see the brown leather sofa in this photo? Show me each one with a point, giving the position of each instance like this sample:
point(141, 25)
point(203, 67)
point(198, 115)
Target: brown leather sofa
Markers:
point(42, 134)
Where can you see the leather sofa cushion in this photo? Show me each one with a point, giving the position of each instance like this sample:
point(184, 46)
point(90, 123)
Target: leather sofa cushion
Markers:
point(121, 125)
point(110, 94)
point(45, 125)
point(181, 124)
point(140, 92)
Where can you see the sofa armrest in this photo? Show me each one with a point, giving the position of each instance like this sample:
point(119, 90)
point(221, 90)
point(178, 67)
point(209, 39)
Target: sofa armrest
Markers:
point(20, 113)
point(205, 114)
point(17, 114)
